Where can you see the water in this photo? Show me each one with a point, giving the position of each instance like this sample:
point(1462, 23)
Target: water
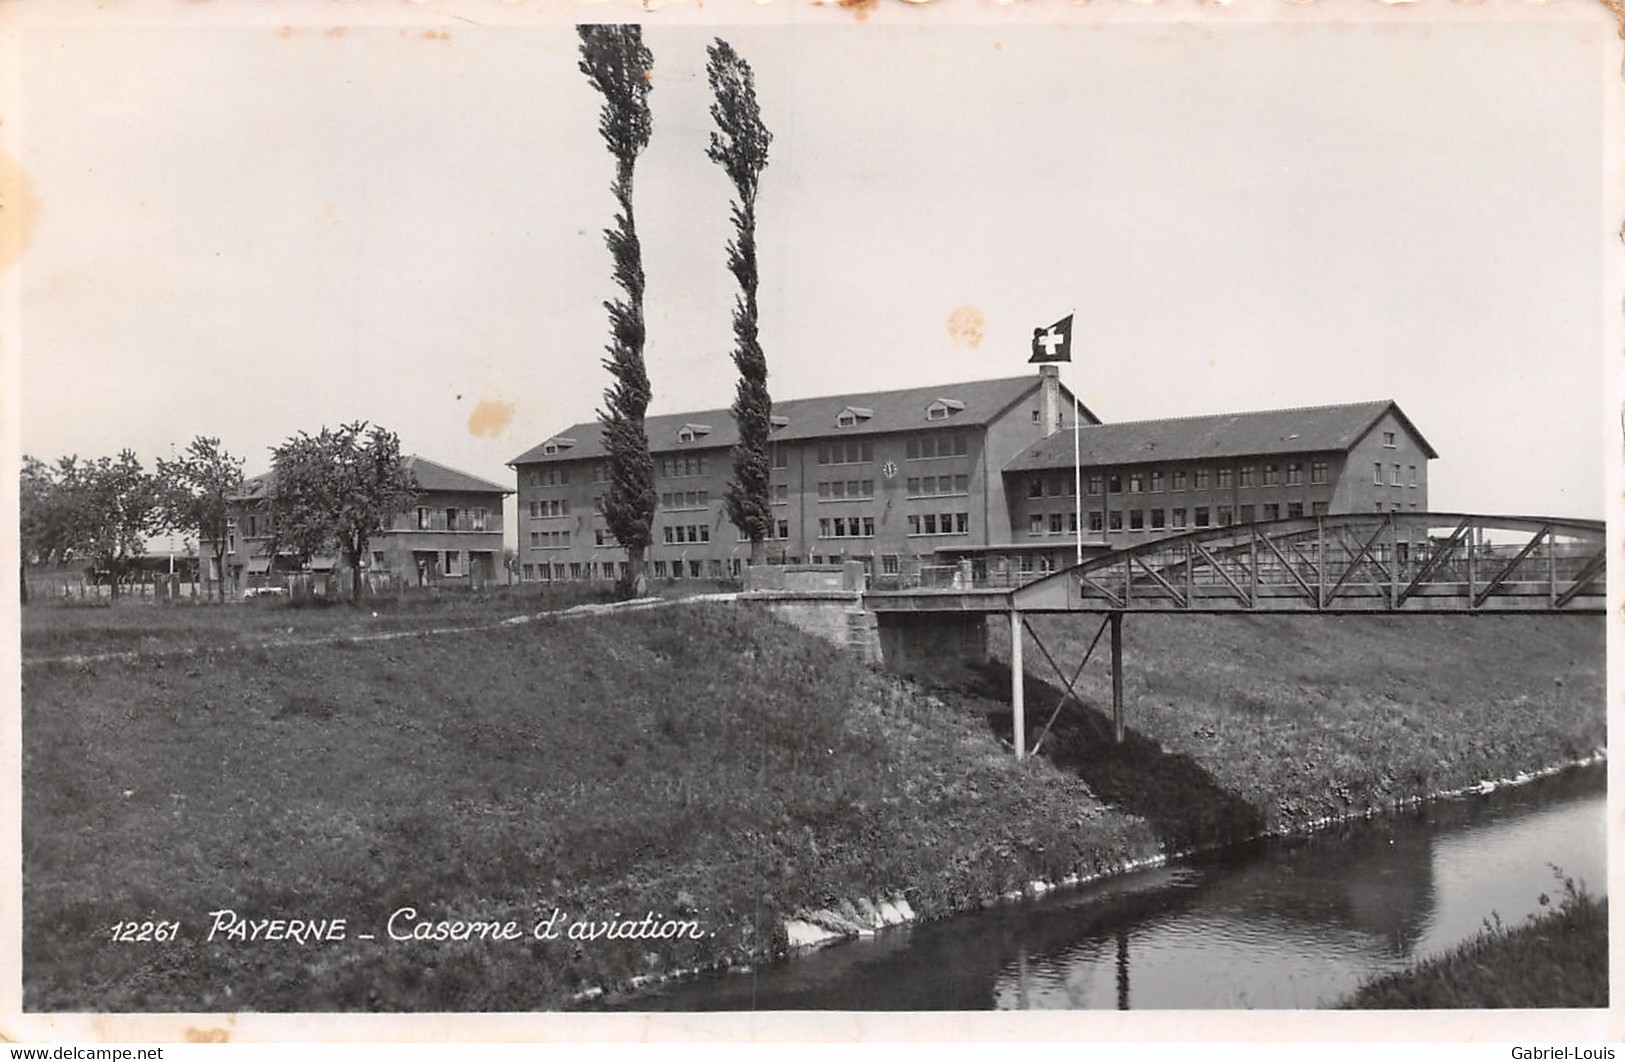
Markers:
point(1286, 924)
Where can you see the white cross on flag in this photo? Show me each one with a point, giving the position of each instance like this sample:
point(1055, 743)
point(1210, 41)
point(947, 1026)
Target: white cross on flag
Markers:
point(1053, 343)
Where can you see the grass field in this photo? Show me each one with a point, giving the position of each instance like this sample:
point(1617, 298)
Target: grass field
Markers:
point(690, 761)
point(1557, 960)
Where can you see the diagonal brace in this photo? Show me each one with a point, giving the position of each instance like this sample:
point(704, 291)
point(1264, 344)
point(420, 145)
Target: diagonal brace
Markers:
point(1071, 690)
point(1434, 562)
point(1586, 576)
point(1354, 565)
point(1502, 575)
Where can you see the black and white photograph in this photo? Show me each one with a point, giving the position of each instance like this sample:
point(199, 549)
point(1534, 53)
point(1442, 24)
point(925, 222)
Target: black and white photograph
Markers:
point(804, 509)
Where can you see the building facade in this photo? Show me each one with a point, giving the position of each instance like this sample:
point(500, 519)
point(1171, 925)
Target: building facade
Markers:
point(452, 534)
point(888, 479)
point(980, 472)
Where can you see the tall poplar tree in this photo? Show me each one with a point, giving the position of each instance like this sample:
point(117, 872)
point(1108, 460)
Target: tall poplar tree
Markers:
point(739, 145)
point(618, 65)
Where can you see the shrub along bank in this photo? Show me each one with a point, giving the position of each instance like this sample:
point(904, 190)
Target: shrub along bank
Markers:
point(1559, 959)
point(694, 762)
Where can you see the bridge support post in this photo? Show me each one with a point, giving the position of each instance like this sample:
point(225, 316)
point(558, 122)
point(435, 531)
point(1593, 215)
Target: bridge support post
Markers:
point(1018, 686)
point(1117, 676)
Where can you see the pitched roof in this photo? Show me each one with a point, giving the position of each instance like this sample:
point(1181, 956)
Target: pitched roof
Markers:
point(430, 475)
point(811, 418)
point(1305, 429)
point(434, 476)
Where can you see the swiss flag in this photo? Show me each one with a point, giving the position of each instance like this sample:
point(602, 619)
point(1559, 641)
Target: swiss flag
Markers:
point(1053, 343)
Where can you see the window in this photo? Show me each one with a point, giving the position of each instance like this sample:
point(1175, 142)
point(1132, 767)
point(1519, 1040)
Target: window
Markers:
point(1294, 509)
point(1035, 488)
point(1376, 474)
point(1272, 475)
point(888, 564)
point(1179, 480)
point(930, 522)
point(1159, 519)
point(1393, 478)
point(667, 532)
point(1225, 478)
point(1094, 485)
point(784, 529)
point(1035, 416)
point(1201, 516)
point(530, 572)
point(781, 493)
point(1136, 520)
point(479, 520)
point(913, 524)
point(1224, 516)
point(1272, 511)
point(597, 537)
point(962, 484)
point(1317, 471)
point(535, 539)
point(1096, 519)
point(1247, 514)
point(1156, 480)
point(868, 527)
point(1072, 522)
point(1199, 479)
point(1114, 484)
point(962, 523)
point(1179, 519)
point(451, 562)
point(1114, 520)
point(1035, 524)
point(1244, 478)
point(1054, 523)
point(1319, 508)
point(1294, 473)
point(1388, 440)
point(1376, 506)
point(1136, 483)
point(423, 517)
point(575, 569)
point(1413, 483)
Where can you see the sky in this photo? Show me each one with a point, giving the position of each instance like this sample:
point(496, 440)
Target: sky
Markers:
point(245, 232)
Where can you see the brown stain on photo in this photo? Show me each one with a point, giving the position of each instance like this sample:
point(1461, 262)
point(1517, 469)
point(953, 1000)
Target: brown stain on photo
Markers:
point(336, 31)
point(859, 8)
point(19, 210)
point(965, 326)
point(207, 1036)
point(490, 418)
point(433, 35)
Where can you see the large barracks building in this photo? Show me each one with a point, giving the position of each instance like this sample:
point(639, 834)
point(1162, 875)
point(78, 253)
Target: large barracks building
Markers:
point(980, 471)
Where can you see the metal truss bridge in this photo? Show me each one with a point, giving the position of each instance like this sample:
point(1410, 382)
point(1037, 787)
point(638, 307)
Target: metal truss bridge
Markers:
point(1377, 563)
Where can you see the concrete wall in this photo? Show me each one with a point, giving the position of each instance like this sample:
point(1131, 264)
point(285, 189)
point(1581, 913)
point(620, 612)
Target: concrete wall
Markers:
point(937, 646)
point(836, 616)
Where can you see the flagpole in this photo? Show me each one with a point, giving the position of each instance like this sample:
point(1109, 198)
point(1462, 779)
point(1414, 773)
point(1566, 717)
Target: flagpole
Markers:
point(1077, 465)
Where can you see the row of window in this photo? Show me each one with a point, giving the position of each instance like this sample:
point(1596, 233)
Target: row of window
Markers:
point(450, 519)
point(850, 488)
point(682, 467)
point(847, 527)
point(1393, 475)
point(849, 452)
point(1178, 519)
point(937, 444)
point(685, 499)
point(939, 524)
point(549, 507)
point(675, 533)
point(550, 539)
point(1154, 481)
point(926, 486)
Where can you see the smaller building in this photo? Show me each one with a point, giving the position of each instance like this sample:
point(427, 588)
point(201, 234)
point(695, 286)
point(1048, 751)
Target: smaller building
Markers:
point(452, 535)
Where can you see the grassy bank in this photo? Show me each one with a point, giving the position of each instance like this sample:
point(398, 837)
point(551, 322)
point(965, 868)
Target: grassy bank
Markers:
point(678, 761)
point(1557, 960)
point(1242, 724)
point(693, 762)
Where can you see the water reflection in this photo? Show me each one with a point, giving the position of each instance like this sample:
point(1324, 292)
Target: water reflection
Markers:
point(1295, 923)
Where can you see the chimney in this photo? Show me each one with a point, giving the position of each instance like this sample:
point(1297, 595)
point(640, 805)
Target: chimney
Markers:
point(1049, 398)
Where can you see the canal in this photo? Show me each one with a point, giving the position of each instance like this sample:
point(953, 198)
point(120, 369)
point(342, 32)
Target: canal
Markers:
point(1290, 923)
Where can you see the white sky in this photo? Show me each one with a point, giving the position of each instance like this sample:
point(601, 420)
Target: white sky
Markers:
point(247, 232)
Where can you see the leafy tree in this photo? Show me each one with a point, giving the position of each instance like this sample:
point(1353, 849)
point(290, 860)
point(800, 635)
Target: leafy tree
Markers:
point(197, 488)
point(739, 145)
point(103, 511)
point(614, 59)
point(332, 492)
point(42, 527)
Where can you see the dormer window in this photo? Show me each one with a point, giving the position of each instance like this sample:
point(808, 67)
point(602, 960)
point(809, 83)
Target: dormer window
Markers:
point(777, 422)
point(553, 446)
point(851, 416)
point(689, 432)
point(943, 408)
